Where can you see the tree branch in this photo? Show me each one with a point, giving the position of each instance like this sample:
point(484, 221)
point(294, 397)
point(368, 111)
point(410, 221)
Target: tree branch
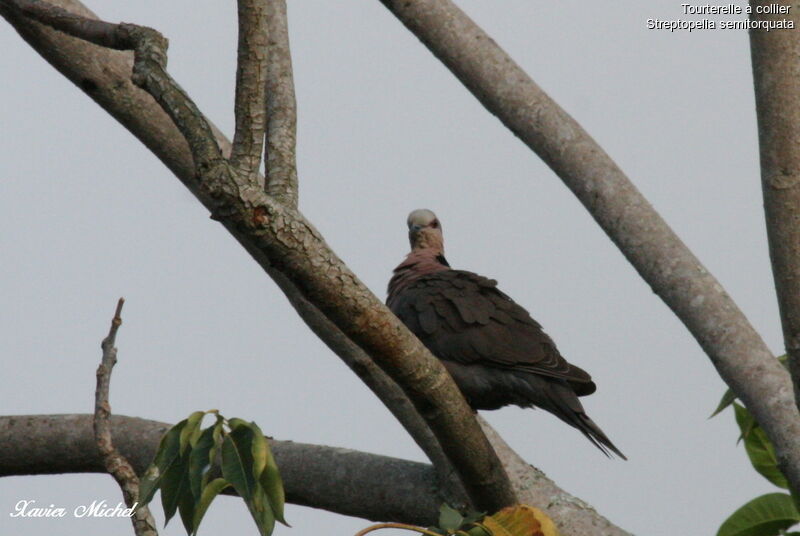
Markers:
point(114, 462)
point(571, 515)
point(344, 481)
point(105, 76)
point(382, 385)
point(776, 73)
point(280, 150)
point(148, 72)
point(340, 480)
point(739, 354)
point(251, 74)
point(280, 237)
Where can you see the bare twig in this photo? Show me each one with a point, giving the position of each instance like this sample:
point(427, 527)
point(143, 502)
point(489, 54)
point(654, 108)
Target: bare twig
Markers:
point(739, 354)
point(280, 237)
point(115, 463)
point(280, 150)
point(251, 74)
point(340, 480)
point(776, 73)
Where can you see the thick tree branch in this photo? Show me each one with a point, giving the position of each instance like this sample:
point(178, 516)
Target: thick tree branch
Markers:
point(339, 480)
point(148, 72)
point(571, 515)
point(279, 237)
point(739, 354)
point(105, 76)
point(776, 73)
point(251, 74)
point(381, 384)
point(114, 462)
point(280, 150)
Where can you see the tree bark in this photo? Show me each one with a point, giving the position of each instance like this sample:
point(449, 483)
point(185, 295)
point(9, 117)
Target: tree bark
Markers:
point(251, 85)
point(280, 238)
point(776, 75)
point(673, 272)
point(280, 153)
point(339, 480)
point(104, 75)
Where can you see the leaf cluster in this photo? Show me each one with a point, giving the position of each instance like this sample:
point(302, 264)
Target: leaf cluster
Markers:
point(771, 514)
point(193, 465)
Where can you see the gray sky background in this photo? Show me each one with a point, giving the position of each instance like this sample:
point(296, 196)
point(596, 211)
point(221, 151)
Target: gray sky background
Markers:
point(88, 215)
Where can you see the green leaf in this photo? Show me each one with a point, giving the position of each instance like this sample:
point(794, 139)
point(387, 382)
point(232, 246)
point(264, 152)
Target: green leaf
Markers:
point(199, 461)
point(767, 515)
point(237, 461)
point(261, 511)
point(272, 484)
point(759, 449)
point(214, 453)
point(473, 516)
point(259, 450)
point(236, 422)
point(191, 431)
point(269, 477)
point(479, 530)
point(186, 506)
point(449, 518)
point(168, 452)
point(210, 491)
point(729, 396)
point(727, 399)
point(745, 421)
point(174, 486)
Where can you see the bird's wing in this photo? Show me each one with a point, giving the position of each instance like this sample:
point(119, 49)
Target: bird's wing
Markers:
point(463, 317)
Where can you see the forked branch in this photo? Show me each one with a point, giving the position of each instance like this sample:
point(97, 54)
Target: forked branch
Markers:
point(105, 76)
point(279, 237)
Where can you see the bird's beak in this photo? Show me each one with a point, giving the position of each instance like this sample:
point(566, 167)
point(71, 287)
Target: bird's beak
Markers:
point(415, 228)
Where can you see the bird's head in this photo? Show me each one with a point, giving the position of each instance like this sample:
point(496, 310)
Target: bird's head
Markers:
point(425, 231)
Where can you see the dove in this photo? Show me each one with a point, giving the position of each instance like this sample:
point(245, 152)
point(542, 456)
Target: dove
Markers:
point(496, 353)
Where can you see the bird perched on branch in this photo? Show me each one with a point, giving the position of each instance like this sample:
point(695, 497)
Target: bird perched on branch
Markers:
point(496, 353)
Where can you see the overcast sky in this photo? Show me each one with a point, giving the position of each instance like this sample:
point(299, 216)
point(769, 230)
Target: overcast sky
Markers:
point(88, 215)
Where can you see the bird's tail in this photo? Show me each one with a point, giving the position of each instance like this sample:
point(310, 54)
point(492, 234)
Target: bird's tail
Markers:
point(596, 435)
point(568, 408)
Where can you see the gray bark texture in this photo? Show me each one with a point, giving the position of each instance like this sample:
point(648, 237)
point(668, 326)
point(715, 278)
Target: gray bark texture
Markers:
point(279, 238)
point(738, 353)
point(251, 85)
point(279, 151)
point(343, 481)
point(776, 74)
point(340, 480)
point(104, 75)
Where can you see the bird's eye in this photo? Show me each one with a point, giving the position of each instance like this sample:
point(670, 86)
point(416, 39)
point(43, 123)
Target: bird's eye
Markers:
point(435, 224)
